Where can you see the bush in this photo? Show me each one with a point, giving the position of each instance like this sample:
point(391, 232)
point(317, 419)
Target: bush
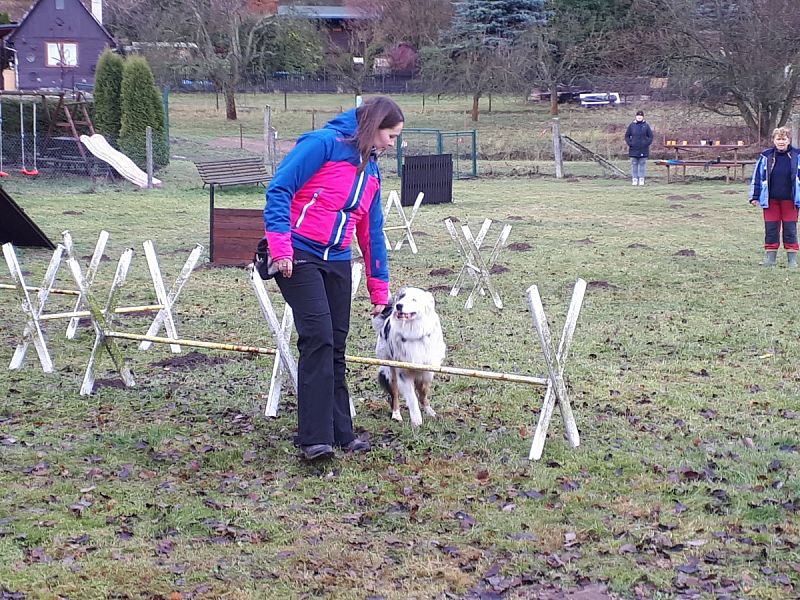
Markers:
point(141, 107)
point(107, 89)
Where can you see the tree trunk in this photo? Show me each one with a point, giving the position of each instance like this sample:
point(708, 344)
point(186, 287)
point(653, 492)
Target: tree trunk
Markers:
point(230, 104)
point(475, 106)
point(554, 100)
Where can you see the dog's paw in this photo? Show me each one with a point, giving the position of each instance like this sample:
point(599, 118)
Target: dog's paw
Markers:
point(416, 420)
point(429, 411)
point(396, 416)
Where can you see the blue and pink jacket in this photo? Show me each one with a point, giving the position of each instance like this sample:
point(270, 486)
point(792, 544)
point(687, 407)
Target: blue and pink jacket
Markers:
point(317, 200)
point(759, 184)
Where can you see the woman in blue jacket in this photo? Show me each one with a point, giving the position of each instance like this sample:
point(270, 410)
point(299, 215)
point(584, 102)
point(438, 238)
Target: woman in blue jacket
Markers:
point(327, 189)
point(775, 187)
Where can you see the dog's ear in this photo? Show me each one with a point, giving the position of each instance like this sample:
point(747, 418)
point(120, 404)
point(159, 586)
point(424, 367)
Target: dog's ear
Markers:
point(430, 299)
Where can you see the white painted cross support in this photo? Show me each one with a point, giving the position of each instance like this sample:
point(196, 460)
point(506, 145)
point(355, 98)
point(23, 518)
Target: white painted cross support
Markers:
point(281, 332)
point(97, 255)
point(279, 371)
point(474, 264)
point(33, 330)
point(394, 200)
point(556, 389)
point(483, 271)
point(164, 316)
point(465, 270)
point(102, 319)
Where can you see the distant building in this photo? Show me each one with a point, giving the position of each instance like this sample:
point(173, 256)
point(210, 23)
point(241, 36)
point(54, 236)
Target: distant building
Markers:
point(57, 44)
point(335, 19)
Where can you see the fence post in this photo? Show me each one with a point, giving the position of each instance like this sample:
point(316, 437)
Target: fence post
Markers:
point(559, 159)
point(400, 155)
point(268, 158)
point(474, 152)
point(149, 147)
point(165, 104)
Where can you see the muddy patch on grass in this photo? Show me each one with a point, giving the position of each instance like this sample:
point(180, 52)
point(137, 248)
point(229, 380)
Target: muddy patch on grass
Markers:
point(685, 252)
point(638, 246)
point(515, 218)
point(441, 272)
point(439, 288)
point(497, 269)
point(731, 192)
point(103, 258)
point(190, 360)
point(695, 196)
point(695, 216)
point(675, 197)
point(72, 212)
point(601, 284)
point(676, 205)
point(117, 384)
point(519, 246)
point(585, 241)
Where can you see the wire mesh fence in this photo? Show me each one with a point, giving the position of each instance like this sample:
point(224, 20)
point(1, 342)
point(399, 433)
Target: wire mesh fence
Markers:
point(47, 157)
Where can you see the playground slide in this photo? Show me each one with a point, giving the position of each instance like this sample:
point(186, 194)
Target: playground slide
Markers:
point(99, 146)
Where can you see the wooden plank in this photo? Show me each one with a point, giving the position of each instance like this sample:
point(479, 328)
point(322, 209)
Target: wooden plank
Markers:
point(240, 213)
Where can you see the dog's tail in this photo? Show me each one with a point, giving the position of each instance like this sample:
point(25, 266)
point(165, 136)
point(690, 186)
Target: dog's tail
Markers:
point(384, 379)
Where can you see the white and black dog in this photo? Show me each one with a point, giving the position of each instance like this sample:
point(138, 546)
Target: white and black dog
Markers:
point(409, 330)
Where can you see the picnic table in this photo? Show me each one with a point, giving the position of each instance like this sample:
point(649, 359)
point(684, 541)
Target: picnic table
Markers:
point(706, 156)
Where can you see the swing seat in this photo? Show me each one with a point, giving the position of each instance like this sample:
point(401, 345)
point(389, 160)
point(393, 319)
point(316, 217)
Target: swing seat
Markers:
point(28, 173)
point(4, 174)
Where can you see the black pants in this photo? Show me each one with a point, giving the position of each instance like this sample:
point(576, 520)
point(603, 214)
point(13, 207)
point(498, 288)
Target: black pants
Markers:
point(319, 293)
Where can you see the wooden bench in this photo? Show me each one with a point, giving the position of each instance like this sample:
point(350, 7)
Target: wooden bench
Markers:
point(233, 232)
point(736, 165)
point(232, 171)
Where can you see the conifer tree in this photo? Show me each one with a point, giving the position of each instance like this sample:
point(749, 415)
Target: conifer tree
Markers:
point(107, 87)
point(141, 107)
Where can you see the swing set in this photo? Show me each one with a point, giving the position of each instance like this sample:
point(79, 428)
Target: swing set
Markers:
point(68, 115)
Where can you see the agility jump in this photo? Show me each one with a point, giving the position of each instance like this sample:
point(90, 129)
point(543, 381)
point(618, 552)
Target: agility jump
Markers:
point(103, 321)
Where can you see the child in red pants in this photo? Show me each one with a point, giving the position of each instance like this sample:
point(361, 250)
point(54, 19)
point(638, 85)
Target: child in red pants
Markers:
point(775, 187)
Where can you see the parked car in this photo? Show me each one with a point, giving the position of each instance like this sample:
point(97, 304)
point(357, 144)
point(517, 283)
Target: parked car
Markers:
point(600, 99)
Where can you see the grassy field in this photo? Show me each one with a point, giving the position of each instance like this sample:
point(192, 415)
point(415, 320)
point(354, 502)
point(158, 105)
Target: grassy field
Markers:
point(512, 130)
point(683, 376)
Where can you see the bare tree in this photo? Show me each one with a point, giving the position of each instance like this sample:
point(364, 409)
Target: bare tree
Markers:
point(739, 58)
point(474, 55)
point(417, 23)
point(227, 38)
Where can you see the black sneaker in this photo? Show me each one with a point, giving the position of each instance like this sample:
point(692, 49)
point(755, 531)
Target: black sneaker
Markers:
point(357, 445)
point(316, 451)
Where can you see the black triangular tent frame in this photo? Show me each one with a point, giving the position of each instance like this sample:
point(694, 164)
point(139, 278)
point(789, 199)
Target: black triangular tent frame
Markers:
point(17, 227)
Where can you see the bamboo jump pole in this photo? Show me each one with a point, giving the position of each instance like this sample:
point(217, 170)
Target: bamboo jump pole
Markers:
point(123, 310)
point(493, 375)
point(30, 288)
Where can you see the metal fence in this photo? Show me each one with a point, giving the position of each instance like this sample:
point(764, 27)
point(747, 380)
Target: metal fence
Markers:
point(461, 145)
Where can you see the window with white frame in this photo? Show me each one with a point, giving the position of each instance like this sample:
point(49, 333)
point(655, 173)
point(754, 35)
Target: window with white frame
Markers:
point(62, 54)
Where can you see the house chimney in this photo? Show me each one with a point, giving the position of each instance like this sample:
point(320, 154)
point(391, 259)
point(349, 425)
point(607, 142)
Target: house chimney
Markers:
point(97, 10)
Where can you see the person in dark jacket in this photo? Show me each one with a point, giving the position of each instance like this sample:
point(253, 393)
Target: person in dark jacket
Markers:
point(775, 187)
point(327, 189)
point(639, 136)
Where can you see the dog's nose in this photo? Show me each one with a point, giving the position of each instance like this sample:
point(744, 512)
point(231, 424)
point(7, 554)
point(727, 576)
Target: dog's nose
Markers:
point(399, 307)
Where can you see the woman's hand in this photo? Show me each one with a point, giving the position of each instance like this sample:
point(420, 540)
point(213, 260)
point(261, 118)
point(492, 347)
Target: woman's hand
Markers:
point(754, 202)
point(377, 309)
point(284, 266)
